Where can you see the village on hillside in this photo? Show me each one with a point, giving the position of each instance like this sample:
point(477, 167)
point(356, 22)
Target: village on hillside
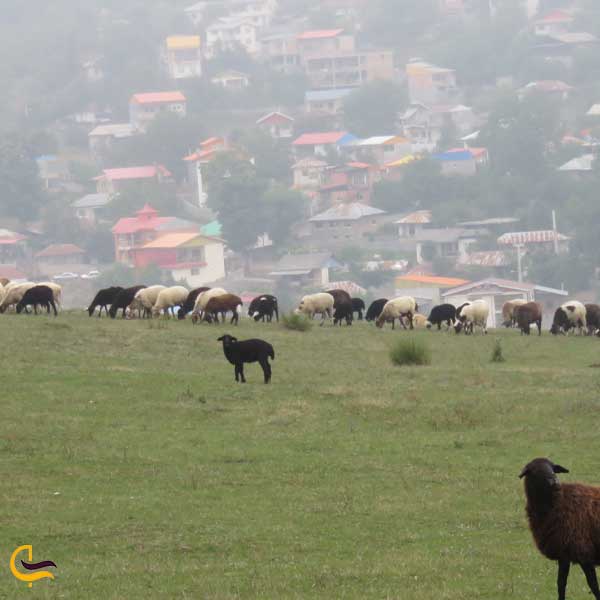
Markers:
point(289, 146)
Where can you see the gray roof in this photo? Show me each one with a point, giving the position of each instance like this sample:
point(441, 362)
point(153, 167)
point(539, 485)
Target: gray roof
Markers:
point(302, 263)
point(177, 223)
point(447, 235)
point(92, 201)
point(348, 212)
point(582, 163)
point(325, 95)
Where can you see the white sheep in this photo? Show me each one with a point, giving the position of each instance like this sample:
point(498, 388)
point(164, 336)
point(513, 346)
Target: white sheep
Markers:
point(168, 298)
point(471, 315)
point(202, 301)
point(419, 321)
point(571, 314)
point(397, 308)
point(146, 298)
point(313, 304)
point(14, 293)
point(56, 291)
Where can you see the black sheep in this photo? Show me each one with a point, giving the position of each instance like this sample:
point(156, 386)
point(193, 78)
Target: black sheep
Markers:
point(123, 299)
point(564, 519)
point(104, 298)
point(40, 295)
point(247, 351)
point(592, 316)
point(263, 308)
point(343, 309)
point(190, 302)
point(375, 309)
point(442, 313)
point(358, 305)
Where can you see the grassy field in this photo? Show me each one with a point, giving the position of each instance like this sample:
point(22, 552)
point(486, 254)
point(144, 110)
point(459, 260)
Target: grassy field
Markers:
point(131, 458)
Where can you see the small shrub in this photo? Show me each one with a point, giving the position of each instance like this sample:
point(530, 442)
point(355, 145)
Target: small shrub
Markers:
point(497, 354)
point(410, 352)
point(296, 322)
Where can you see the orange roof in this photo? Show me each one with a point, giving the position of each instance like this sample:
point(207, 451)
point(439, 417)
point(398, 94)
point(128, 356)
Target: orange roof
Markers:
point(172, 240)
point(60, 250)
point(158, 97)
point(441, 281)
point(319, 34)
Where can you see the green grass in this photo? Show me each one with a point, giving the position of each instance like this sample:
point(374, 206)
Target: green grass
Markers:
point(296, 322)
point(131, 458)
point(410, 351)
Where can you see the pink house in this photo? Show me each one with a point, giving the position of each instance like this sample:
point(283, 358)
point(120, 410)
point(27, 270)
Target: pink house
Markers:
point(112, 180)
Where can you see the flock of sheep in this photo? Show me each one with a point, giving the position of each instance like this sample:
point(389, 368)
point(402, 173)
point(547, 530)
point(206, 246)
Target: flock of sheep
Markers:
point(210, 304)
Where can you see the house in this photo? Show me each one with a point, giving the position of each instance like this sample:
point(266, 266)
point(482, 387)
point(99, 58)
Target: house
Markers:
point(182, 56)
point(305, 269)
point(498, 291)
point(277, 124)
point(497, 261)
point(13, 248)
point(144, 108)
point(57, 258)
point(351, 182)
point(331, 59)
point(114, 180)
point(102, 139)
point(546, 240)
point(450, 242)
point(382, 149)
point(431, 85)
point(309, 173)
point(581, 164)
point(89, 209)
point(555, 22)
point(231, 80)
point(230, 33)
point(326, 102)
point(280, 52)
point(413, 223)
point(320, 144)
point(425, 289)
point(462, 161)
point(190, 256)
point(52, 170)
point(196, 12)
point(132, 233)
point(594, 111)
point(347, 224)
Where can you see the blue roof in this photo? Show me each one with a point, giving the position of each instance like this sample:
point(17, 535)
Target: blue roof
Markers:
point(324, 95)
point(453, 156)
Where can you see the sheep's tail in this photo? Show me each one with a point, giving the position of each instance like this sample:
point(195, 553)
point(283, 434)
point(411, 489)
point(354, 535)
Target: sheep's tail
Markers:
point(271, 352)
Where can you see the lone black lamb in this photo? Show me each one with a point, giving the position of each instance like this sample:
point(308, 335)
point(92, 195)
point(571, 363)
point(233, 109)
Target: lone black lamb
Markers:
point(247, 351)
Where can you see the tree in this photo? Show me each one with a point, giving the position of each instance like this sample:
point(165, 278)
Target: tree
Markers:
point(283, 208)
point(270, 157)
point(372, 109)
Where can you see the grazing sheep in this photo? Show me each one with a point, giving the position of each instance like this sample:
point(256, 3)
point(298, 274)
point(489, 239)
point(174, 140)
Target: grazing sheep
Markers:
point(564, 519)
point(247, 351)
point(358, 306)
point(571, 314)
point(168, 298)
point(313, 304)
point(442, 313)
point(592, 316)
point(397, 308)
point(145, 299)
point(56, 291)
point(13, 294)
point(123, 299)
point(222, 305)
point(526, 314)
point(375, 309)
point(202, 300)
point(419, 321)
point(472, 314)
point(508, 312)
point(103, 299)
point(343, 310)
point(263, 307)
point(40, 295)
point(190, 301)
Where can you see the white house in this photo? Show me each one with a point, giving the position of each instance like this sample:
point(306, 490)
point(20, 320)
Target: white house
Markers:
point(231, 80)
point(229, 33)
point(144, 108)
point(182, 56)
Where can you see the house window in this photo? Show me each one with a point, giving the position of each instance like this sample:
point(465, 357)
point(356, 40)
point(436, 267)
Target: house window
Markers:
point(411, 230)
point(195, 271)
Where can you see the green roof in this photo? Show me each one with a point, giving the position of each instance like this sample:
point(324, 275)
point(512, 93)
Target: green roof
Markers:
point(213, 229)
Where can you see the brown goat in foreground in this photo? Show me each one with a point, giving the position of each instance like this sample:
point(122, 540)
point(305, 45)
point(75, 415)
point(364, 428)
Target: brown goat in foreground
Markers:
point(564, 520)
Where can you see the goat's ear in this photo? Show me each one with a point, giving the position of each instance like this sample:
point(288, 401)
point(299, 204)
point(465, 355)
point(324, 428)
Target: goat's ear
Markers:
point(559, 469)
point(233, 339)
point(524, 472)
point(220, 339)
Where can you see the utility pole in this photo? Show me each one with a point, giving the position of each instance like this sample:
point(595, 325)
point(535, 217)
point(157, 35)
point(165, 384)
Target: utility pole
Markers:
point(519, 262)
point(555, 232)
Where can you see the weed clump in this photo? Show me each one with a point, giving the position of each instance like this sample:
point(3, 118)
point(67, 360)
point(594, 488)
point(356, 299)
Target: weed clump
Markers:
point(410, 352)
point(296, 322)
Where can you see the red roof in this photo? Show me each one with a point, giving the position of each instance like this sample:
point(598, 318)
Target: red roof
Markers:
point(530, 237)
point(319, 34)
point(147, 172)
point(316, 139)
point(13, 239)
point(158, 98)
point(11, 273)
point(60, 250)
point(556, 16)
point(360, 165)
point(276, 117)
point(433, 280)
point(184, 265)
point(147, 219)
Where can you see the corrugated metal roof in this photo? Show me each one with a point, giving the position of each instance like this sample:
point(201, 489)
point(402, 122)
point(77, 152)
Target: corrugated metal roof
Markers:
point(158, 97)
point(382, 140)
point(183, 42)
point(275, 114)
point(117, 130)
point(348, 286)
point(433, 280)
point(417, 217)
point(91, 201)
point(318, 138)
point(146, 172)
point(581, 163)
point(60, 250)
point(325, 95)
point(348, 212)
point(302, 263)
point(319, 34)
point(491, 258)
point(406, 160)
point(530, 237)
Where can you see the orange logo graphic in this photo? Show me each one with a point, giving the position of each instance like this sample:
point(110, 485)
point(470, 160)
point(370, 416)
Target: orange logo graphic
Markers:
point(30, 577)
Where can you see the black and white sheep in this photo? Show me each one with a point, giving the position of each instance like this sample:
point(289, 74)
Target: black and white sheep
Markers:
point(247, 351)
point(263, 308)
point(39, 295)
point(104, 298)
point(564, 519)
point(571, 314)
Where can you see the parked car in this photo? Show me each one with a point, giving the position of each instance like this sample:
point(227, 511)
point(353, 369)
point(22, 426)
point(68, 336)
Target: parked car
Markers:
point(91, 275)
point(66, 275)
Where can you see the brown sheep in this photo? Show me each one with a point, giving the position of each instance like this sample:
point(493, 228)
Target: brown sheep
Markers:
point(508, 312)
point(564, 519)
point(4, 282)
point(526, 314)
point(222, 305)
